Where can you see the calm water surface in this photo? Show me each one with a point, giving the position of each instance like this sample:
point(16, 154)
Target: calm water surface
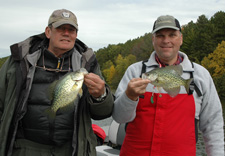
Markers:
point(200, 145)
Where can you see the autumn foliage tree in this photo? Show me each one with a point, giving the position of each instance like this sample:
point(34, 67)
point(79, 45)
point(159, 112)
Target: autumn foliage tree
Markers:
point(215, 63)
point(121, 65)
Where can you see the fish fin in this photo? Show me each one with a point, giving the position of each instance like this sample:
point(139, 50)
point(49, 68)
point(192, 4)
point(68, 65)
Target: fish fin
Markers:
point(84, 71)
point(172, 91)
point(187, 85)
point(50, 114)
point(50, 90)
point(80, 92)
point(176, 68)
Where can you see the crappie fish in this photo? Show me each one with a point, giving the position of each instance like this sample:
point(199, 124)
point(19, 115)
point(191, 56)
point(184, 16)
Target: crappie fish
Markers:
point(64, 92)
point(169, 78)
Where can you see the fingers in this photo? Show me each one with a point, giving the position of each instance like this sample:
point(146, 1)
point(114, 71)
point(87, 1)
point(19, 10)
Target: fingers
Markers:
point(138, 84)
point(136, 87)
point(96, 86)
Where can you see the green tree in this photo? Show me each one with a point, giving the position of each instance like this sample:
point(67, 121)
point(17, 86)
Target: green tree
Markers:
point(189, 36)
point(202, 37)
point(109, 53)
point(198, 39)
point(218, 21)
point(2, 61)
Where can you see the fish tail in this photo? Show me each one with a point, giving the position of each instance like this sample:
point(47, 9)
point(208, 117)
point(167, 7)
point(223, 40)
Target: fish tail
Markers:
point(50, 114)
point(187, 85)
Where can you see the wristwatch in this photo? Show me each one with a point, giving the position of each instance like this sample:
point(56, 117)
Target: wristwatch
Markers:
point(100, 98)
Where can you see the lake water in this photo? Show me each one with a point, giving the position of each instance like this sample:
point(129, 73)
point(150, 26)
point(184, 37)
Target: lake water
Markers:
point(200, 148)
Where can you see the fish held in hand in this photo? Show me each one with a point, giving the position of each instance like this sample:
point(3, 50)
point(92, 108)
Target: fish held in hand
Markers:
point(169, 78)
point(65, 91)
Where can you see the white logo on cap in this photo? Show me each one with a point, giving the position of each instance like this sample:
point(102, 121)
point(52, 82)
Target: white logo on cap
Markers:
point(66, 14)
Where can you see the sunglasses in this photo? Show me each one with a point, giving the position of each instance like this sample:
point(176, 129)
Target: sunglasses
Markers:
point(51, 69)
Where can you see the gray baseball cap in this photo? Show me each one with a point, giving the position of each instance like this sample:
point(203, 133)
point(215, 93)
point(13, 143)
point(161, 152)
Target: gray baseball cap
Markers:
point(63, 16)
point(166, 21)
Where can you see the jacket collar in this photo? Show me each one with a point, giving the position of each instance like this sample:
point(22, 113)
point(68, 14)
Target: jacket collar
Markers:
point(186, 64)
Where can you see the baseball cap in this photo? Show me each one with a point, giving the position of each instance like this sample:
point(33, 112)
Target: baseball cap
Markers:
point(62, 16)
point(166, 21)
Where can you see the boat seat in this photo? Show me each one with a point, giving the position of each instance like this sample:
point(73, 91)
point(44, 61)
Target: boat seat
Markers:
point(117, 133)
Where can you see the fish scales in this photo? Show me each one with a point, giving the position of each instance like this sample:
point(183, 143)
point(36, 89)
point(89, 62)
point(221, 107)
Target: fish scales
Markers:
point(166, 78)
point(169, 78)
point(65, 91)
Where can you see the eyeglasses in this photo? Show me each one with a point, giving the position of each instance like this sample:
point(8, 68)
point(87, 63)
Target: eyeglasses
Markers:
point(54, 70)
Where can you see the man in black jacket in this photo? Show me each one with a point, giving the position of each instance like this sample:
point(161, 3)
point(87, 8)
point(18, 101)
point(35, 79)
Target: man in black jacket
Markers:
point(36, 63)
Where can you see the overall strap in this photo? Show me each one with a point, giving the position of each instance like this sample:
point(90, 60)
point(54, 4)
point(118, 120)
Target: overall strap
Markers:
point(143, 69)
point(191, 90)
point(193, 85)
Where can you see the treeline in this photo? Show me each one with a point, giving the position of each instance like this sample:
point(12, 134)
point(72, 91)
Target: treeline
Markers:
point(115, 59)
point(202, 42)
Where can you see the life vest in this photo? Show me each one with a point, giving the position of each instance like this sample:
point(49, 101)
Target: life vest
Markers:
point(35, 125)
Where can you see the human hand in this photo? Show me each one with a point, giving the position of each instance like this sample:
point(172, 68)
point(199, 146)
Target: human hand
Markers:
point(136, 87)
point(96, 86)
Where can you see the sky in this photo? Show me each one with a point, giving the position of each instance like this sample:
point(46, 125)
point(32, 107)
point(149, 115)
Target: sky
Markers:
point(101, 22)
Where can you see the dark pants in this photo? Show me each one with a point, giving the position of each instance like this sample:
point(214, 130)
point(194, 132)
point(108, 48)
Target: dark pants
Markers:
point(23, 147)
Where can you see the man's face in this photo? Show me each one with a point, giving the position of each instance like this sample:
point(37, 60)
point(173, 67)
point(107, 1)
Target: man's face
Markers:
point(167, 43)
point(61, 39)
